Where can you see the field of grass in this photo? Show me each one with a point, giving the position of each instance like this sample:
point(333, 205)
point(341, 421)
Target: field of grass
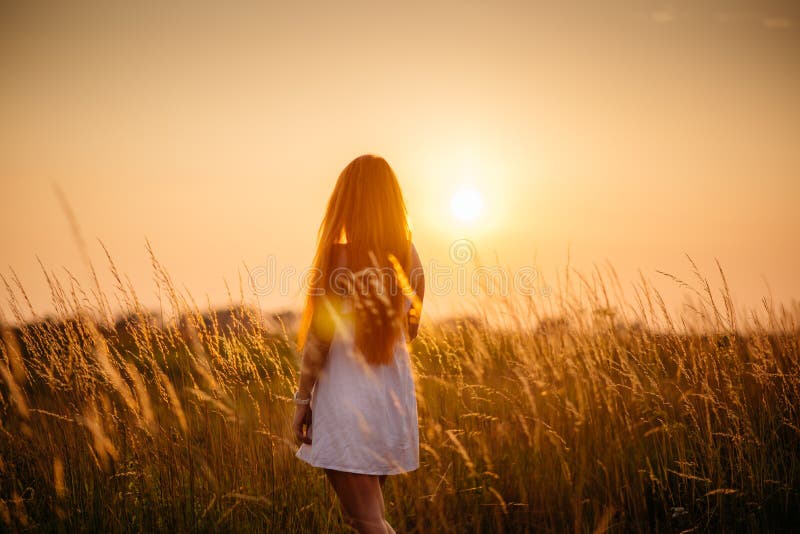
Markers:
point(592, 415)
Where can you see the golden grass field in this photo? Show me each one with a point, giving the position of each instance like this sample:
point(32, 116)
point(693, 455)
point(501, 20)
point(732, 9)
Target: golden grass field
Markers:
point(592, 415)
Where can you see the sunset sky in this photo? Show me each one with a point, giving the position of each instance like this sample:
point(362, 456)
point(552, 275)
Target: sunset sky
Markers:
point(629, 132)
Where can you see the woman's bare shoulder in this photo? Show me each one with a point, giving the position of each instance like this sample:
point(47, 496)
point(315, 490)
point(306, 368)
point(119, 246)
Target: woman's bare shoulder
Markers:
point(414, 255)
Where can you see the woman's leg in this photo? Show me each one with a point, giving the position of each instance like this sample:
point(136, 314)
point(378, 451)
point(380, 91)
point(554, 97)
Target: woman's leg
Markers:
point(361, 499)
point(382, 480)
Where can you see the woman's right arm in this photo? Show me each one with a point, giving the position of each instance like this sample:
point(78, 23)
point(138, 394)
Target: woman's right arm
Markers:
point(416, 279)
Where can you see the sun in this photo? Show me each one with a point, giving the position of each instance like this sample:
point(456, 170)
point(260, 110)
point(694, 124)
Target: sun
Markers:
point(466, 204)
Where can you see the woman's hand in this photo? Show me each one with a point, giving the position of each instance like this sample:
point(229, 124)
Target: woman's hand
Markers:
point(301, 425)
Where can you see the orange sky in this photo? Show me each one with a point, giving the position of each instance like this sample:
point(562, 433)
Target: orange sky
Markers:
point(632, 132)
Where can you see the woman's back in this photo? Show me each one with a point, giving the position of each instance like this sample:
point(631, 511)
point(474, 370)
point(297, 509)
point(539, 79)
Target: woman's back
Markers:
point(364, 415)
point(355, 370)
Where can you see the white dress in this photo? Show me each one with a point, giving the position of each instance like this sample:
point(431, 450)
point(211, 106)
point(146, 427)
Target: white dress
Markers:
point(364, 417)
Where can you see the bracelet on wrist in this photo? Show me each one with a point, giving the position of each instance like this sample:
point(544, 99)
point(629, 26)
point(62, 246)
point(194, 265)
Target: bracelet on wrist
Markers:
point(301, 402)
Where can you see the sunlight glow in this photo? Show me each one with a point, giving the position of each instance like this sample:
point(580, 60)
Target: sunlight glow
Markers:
point(466, 204)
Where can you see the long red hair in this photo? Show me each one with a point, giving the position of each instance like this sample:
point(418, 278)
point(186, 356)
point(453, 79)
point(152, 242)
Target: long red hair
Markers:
point(368, 212)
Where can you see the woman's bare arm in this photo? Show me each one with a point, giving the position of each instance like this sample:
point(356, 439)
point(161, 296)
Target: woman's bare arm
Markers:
point(315, 351)
point(417, 281)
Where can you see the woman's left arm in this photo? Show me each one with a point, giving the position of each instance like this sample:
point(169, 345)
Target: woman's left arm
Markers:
point(315, 350)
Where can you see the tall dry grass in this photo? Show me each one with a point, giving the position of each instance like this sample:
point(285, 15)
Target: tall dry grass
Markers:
point(584, 413)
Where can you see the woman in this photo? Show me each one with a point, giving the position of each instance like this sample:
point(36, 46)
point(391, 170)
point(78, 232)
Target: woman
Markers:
point(362, 309)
